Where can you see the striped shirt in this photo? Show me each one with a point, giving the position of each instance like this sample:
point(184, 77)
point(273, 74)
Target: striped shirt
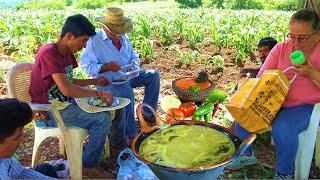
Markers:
point(12, 169)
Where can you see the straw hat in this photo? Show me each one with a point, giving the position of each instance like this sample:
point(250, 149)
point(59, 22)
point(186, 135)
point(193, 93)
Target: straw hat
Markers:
point(115, 21)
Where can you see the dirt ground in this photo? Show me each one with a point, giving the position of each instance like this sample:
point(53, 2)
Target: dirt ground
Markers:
point(167, 63)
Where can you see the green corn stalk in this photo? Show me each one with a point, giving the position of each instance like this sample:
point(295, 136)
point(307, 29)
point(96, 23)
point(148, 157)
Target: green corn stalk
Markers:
point(186, 58)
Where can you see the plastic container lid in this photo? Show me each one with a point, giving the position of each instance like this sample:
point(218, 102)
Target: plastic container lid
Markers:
point(297, 57)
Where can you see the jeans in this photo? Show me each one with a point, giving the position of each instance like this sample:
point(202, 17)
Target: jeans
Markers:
point(98, 125)
point(150, 79)
point(286, 127)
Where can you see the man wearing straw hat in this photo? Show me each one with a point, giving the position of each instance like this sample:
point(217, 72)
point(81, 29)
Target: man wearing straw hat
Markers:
point(108, 51)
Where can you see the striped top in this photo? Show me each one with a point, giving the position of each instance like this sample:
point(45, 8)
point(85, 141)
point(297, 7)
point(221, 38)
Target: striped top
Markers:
point(12, 169)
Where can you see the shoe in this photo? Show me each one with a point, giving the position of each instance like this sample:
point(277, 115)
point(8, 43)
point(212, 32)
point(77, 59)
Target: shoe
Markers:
point(279, 176)
point(96, 173)
point(242, 161)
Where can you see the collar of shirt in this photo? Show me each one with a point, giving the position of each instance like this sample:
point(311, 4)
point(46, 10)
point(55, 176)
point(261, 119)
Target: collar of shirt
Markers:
point(104, 35)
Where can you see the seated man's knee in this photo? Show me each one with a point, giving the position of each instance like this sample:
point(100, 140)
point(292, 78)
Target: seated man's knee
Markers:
point(156, 74)
point(104, 118)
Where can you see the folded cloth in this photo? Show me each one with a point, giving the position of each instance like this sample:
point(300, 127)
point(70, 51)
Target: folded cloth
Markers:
point(61, 167)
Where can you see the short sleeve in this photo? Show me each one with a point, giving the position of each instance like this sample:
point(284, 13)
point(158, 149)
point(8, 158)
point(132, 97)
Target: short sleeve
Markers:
point(50, 64)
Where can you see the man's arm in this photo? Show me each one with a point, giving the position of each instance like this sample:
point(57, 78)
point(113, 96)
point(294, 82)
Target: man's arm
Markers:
point(84, 82)
point(100, 81)
point(89, 62)
point(70, 89)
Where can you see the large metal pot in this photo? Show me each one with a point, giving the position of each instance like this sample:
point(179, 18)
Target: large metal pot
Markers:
point(205, 172)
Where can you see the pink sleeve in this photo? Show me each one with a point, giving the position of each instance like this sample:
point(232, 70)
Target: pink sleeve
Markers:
point(271, 61)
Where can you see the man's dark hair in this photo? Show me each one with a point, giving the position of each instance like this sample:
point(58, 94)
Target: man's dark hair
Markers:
point(14, 114)
point(78, 25)
point(307, 15)
point(267, 41)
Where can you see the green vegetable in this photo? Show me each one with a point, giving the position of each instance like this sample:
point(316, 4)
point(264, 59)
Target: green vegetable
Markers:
point(197, 118)
point(208, 117)
point(217, 95)
point(205, 109)
point(194, 89)
point(168, 102)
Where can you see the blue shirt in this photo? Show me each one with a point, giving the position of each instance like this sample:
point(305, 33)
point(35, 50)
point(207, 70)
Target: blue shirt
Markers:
point(12, 169)
point(100, 50)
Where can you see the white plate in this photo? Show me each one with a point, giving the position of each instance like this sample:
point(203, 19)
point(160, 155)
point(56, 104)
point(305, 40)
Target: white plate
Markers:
point(98, 102)
point(85, 106)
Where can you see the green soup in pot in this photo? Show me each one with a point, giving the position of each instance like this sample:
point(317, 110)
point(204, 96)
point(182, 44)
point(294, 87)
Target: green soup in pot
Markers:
point(187, 146)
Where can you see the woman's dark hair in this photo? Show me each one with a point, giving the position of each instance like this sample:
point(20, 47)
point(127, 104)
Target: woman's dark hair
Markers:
point(307, 15)
point(14, 114)
point(78, 25)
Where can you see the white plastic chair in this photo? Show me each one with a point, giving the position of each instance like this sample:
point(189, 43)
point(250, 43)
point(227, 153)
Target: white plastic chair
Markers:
point(307, 141)
point(71, 138)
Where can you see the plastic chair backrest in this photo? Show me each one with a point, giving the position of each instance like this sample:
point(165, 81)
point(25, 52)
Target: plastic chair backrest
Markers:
point(19, 81)
point(18, 87)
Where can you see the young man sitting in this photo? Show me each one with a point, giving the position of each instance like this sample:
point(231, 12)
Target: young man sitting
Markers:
point(52, 78)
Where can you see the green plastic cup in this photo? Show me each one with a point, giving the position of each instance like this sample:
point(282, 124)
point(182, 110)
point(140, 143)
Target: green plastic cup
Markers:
point(297, 57)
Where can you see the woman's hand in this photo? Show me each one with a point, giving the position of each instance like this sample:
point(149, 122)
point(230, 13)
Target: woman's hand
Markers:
point(101, 81)
point(307, 70)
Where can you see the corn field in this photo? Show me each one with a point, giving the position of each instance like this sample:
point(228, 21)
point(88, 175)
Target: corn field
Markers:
point(23, 32)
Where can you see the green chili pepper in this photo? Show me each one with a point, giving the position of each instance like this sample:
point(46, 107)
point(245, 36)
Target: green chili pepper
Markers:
point(208, 117)
point(205, 109)
point(194, 89)
point(197, 118)
point(217, 95)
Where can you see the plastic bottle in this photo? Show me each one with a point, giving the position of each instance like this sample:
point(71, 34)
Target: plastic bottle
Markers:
point(297, 57)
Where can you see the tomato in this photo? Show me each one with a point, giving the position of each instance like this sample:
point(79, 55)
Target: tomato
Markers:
point(188, 109)
point(173, 115)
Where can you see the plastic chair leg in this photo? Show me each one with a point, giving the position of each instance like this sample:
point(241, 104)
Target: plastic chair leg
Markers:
point(39, 137)
point(307, 141)
point(61, 147)
point(106, 149)
point(317, 155)
point(74, 151)
point(304, 156)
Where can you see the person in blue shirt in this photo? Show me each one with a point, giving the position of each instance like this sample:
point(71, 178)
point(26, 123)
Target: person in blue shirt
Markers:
point(108, 51)
point(14, 115)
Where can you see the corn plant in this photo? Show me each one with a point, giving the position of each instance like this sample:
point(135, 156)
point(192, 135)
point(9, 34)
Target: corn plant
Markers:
point(166, 35)
point(2, 76)
point(145, 48)
point(216, 61)
point(144, 26)
point(23, 32)
point(195, 36)
point(186, 58)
